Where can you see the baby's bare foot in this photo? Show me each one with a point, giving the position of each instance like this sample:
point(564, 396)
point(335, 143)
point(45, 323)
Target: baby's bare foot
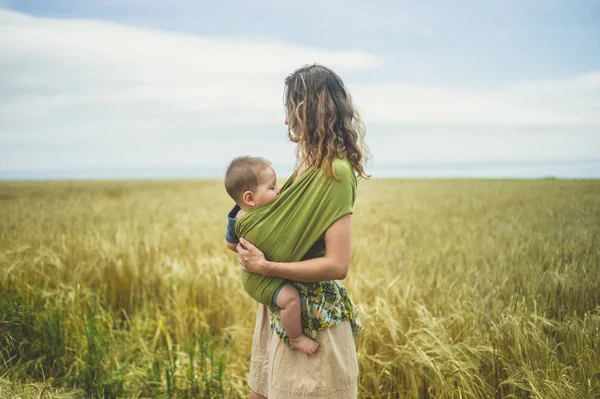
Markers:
point(305, 344)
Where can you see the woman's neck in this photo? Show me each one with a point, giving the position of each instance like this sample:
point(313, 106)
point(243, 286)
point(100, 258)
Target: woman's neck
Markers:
point(300, 171)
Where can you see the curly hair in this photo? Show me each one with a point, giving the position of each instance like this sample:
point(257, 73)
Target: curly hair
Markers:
point(323, 122)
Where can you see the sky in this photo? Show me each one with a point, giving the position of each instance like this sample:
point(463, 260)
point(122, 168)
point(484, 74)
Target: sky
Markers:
point(177, 88)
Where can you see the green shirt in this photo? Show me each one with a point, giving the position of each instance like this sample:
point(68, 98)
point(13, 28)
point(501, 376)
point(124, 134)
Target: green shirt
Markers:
point(292, 228)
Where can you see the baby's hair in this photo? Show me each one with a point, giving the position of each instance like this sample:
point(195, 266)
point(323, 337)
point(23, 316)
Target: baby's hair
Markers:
point(242, 175)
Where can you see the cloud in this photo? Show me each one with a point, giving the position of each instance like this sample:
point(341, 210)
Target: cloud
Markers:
point(83, 77)
point(134, 92)
point(574, 101)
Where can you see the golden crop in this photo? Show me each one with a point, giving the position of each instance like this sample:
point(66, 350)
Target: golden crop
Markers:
point(466, 289)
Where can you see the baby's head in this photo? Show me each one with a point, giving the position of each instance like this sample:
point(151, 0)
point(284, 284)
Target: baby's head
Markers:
point(251, 182)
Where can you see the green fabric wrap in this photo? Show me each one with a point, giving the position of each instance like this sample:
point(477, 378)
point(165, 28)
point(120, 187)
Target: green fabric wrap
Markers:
point(287, 229)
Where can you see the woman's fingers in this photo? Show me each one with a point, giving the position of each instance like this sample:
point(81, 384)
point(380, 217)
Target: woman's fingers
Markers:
point(243, 264)
point(242, 254)
point(249, 256)
point(242, 261)
point(240, 248)
point(247, 244)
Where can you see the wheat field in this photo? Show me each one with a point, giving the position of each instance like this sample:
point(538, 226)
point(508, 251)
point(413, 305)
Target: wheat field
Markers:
point(466, 289)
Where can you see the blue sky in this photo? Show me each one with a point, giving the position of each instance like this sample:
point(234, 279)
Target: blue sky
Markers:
point(464, 88)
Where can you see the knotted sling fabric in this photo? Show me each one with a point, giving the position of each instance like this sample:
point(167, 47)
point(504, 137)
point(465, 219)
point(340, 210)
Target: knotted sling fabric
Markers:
point(292, 228)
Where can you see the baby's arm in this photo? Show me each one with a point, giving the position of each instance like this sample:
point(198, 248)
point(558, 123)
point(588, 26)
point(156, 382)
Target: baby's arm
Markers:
point(232, 246)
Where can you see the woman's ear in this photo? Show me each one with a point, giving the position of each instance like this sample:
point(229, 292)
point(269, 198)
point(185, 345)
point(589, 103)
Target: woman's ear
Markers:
point(248, 198)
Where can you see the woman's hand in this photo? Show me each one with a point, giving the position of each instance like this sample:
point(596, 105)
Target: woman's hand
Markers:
point(251, 258)
point(333, 266)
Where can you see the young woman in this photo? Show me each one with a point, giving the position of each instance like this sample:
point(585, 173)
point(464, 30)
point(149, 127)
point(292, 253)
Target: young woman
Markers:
point(329, 137)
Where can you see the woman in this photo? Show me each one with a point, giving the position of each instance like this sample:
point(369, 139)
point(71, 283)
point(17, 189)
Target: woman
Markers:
point(329, 138)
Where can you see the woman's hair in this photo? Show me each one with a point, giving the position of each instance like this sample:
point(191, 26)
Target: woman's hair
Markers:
point(323, 122)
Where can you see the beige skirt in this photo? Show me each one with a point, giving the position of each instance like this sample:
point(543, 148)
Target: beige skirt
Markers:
point(278, 372)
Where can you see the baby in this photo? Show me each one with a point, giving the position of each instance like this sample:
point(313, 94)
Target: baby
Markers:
point(252, 182)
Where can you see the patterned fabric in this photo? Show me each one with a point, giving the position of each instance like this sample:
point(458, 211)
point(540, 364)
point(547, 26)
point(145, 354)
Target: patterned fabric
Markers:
point(323, 304)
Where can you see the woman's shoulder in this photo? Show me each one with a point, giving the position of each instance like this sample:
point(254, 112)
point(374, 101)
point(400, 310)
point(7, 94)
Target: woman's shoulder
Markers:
point(343, 169)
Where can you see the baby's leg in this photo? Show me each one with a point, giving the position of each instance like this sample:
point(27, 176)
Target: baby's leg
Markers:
point(289, 302)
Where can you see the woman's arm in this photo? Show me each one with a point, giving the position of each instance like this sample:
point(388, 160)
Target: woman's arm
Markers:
point(333, 266)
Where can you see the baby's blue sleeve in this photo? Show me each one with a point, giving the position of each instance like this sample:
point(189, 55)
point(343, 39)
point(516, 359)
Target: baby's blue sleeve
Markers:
point(230, 236)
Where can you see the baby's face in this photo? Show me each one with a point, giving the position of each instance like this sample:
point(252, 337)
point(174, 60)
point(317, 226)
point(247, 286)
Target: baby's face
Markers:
point(267, 189)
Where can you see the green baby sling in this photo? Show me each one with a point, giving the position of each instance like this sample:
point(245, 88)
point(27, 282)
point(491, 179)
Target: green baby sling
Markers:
point(287, 229)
